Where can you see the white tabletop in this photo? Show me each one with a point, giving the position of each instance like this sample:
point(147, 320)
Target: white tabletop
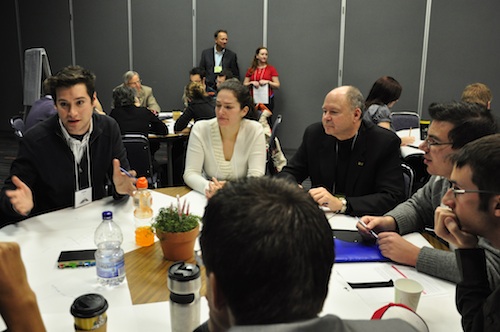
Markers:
point(43, 237)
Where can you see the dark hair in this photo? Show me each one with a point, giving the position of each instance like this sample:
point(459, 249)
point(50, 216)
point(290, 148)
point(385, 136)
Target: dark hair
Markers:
point(355, 98)
point(255, 62)
point(198, 71)
point(70, 76)
point(384, 91)
point(123, 96)
point(470, 121)
point(483, 157)
point(243, 96)
point(219, 31)
point(270, 248)
point(225, 72)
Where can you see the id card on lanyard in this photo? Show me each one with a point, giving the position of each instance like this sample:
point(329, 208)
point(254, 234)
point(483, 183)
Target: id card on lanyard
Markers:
point(83, 196)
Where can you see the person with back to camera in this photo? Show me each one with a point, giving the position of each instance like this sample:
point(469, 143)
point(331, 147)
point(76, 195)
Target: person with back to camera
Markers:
point(453, 125)
point(268, 253)
point(383, 95)
point(262, 75)
point(200, 106)
point(133, 119)
point(227, 147)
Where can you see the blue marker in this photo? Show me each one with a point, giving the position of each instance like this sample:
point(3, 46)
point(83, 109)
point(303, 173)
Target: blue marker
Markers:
point(127, 173)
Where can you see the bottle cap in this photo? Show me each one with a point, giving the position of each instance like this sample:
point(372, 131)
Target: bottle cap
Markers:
point(107, 215)
point(142, 183)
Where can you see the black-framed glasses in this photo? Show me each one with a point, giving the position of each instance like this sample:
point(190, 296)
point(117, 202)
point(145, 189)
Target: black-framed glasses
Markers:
point(429, 141)
point(457, 191)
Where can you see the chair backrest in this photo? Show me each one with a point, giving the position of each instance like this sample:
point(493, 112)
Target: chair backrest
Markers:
point(139, 156)
point(270, 169)
point(409, 178)
point(405, 120)
point(17, 123)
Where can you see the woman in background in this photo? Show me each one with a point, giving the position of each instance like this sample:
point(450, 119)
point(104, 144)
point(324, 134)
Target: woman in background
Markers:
point(383, 95)
point(199, 106)
point(262, 75)
point(228, 147)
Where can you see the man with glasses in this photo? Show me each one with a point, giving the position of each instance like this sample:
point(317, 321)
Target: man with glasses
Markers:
point(144, 93)
point(453, 125)
point(472, 215)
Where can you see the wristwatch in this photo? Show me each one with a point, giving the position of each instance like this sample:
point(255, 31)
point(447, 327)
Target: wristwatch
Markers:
point(343, 209)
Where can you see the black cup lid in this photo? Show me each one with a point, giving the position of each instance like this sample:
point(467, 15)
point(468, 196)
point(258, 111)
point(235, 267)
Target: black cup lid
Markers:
point(182, 271)
point(89, 305)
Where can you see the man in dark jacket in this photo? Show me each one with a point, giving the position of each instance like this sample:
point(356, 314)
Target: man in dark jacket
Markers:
point(68, 160)
point(354, 165)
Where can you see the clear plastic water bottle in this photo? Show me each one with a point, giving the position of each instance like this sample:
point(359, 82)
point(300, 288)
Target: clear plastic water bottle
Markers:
point(109, 256)
point(143, 214)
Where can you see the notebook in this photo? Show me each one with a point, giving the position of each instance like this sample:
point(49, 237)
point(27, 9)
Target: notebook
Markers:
point(351, 247)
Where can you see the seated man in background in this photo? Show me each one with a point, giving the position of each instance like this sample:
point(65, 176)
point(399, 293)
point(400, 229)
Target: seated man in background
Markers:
point(354, 165)
point(144, 93)
point(223, 76)
point(18, 306)
point(69, 159)
point(198, 75)
point(453, 125)
point(472, 212)
point(249, 258)
point(42, 109)
point(477, 93)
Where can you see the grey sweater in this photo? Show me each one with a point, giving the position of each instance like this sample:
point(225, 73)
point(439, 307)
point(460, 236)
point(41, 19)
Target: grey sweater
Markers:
point(417, 213)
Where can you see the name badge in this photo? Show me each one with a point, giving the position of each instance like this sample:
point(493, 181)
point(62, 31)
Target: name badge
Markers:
point(83, 197)
point(217, 69)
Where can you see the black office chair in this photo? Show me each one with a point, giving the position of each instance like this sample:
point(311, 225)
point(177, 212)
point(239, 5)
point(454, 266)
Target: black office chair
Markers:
point(270, 168)
point(405, 120)
point(139, 157)
point(416, 162)
point(17, 123)
point(409, 178)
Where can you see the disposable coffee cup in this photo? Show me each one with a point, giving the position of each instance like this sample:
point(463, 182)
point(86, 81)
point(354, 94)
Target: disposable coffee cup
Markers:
point(89, 311)
point(407, 292)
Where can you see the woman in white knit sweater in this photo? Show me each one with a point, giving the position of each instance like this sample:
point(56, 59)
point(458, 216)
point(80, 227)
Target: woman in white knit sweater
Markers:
point(228, 147)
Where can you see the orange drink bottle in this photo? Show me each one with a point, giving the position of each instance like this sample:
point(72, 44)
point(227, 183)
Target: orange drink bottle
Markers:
point(143, 214)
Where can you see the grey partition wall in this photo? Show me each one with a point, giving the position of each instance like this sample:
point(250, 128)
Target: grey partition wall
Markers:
point(47, 24)
point(101, 44)
point(243, 21)
point(162, 47)
point(385, 37)
point(463, 49)
point(303, 40)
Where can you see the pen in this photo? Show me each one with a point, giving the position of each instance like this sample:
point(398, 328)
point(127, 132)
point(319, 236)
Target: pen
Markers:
point(127, 173)
point(370, 230)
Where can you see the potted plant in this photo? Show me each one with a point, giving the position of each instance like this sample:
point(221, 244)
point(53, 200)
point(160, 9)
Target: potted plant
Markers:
point(177, 231)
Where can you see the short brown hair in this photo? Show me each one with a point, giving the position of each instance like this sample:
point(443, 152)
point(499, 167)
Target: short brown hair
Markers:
point(477, 93)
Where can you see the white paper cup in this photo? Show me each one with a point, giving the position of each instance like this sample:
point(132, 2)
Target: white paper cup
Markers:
point(407, 292)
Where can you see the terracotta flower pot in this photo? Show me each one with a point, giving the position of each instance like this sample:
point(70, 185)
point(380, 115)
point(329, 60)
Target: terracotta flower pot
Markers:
point(178, 246)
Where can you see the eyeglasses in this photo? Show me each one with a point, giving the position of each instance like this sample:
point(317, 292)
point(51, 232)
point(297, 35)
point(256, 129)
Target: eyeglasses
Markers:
point(431, 142)
point(457, 191)
point(134, 83)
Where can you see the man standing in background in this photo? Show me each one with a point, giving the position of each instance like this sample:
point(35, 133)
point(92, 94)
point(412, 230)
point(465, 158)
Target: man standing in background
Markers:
point(216, 58)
